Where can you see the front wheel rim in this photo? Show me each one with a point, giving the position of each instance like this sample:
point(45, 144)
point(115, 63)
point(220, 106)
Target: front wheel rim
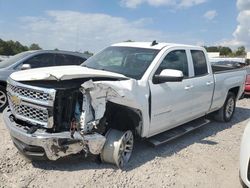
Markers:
point(230, 108)
point(3, 99)
point(125, 149)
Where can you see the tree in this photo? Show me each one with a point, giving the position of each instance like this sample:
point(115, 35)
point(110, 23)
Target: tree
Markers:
point(225, 51)
point(241, 51)
point(88, 53)
point(35, 46)
point(12, 47)
point(129, 41)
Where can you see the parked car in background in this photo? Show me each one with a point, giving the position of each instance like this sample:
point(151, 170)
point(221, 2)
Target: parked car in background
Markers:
point(3, 57)
point(245, 157)
point(228, 62)
point(247, 86)
point(35, 59)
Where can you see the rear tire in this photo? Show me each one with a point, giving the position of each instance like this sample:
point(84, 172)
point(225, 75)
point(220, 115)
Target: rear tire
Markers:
point(3, 98)
point(226, 112)
point(118, 147)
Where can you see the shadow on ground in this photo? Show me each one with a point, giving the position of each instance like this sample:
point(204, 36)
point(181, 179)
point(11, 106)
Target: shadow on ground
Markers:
point(143, 152)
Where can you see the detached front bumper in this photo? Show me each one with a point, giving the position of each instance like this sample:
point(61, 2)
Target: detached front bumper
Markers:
point(51, 145)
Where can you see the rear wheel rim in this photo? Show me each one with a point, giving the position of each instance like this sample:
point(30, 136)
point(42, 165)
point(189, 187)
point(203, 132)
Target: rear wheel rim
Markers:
point(3, 99)
point(229, 108)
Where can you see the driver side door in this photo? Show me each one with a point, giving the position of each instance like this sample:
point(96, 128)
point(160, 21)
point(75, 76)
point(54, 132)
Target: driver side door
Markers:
point(171, 102)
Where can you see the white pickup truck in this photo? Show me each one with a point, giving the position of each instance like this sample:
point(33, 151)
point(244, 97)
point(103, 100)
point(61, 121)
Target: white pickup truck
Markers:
point(129, 89)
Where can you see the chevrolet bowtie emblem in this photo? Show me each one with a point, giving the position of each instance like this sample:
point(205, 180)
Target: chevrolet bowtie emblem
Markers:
point(15, 100)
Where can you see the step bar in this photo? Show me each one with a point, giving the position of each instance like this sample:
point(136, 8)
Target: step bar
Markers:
point(177, 132)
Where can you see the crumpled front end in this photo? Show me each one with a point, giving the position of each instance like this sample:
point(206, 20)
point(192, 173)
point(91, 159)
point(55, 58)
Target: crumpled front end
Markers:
point(50, 145)
point(78, 118)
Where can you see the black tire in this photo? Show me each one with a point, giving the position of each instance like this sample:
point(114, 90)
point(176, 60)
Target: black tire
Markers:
point(226, 112)
point(3, 98)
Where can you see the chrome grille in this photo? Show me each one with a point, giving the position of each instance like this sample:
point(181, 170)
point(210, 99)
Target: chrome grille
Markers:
point(31, 104)
point(32, 113)
point(36, 95)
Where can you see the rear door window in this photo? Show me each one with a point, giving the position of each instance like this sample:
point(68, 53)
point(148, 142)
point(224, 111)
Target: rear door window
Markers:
point(79, 60)
point(41, 60)
point(200, 63)
point(64, 59)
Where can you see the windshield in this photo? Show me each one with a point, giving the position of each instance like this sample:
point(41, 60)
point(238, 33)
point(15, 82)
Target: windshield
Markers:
point(129, 61)
point(13, 59)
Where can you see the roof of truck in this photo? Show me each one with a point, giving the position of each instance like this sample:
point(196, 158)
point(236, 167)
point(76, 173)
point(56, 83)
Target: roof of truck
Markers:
point(149, 45)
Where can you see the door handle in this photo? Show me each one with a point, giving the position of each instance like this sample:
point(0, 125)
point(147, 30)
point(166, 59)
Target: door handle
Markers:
point(188, 87)
point(209, 83)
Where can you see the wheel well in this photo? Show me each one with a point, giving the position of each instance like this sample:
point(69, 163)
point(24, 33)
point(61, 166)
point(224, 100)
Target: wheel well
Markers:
point(123, 118)
point(235, 91)
point(2, 83)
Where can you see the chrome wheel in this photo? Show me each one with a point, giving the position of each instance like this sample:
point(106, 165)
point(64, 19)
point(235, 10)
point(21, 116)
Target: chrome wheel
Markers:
point(118, 147)
point(229, 108)
point(3, 99)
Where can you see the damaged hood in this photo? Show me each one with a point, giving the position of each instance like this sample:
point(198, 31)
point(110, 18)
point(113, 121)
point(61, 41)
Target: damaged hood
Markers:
point(62, 73)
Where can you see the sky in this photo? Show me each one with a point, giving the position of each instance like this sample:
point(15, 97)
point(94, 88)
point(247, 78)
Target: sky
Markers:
point(80, 25)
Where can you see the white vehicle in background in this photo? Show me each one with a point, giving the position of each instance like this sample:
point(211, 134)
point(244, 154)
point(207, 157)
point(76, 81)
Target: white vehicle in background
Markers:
point(129, 89)
point(3, 57)
point(245, 157)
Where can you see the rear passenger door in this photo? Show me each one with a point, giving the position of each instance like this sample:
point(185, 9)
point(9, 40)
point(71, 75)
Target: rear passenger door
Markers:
point(203, 83)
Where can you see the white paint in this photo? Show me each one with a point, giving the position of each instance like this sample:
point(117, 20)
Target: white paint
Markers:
point(171, 73)
point(172, 104)
point(95, 142)
point(61, 73)
point(245, 155)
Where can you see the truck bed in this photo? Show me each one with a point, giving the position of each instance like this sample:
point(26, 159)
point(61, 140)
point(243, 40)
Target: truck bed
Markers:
point(223, 68)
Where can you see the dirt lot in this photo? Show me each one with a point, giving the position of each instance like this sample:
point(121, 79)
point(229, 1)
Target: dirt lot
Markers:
point(207, 157)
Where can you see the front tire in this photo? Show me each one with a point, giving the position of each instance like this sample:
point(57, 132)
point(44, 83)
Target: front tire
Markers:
point(3, 98)
point(226, 113)
point(118, 147)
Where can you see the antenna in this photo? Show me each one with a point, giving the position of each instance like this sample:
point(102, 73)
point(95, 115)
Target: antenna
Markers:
point(154, 43)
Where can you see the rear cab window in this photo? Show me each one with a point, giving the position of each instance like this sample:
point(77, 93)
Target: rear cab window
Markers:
point(199, 62)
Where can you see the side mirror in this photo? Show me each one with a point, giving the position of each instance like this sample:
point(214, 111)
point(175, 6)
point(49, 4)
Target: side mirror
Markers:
point(168, 75)
point(25, 67)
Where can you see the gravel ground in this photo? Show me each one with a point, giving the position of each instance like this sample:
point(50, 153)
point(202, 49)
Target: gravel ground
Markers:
point(207, 157)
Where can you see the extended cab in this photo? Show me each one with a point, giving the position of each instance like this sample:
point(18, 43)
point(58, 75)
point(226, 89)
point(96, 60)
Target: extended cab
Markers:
point(128, 89)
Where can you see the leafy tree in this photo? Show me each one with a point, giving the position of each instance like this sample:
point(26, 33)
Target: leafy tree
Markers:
point(225, 51)
point(88, 53)
point(35, 46)
point(11, 47)
point(128, 41)
point(241, 51)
